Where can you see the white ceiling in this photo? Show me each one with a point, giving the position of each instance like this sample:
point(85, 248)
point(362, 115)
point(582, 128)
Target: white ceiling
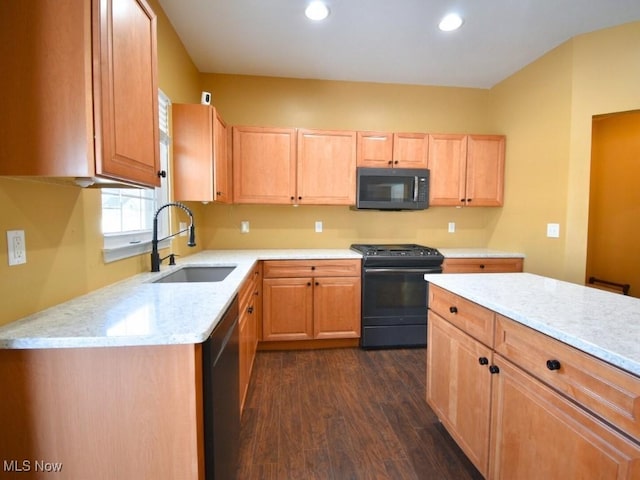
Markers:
point(386, 41)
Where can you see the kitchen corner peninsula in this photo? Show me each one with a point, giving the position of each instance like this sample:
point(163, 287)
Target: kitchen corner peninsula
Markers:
point(137, 311)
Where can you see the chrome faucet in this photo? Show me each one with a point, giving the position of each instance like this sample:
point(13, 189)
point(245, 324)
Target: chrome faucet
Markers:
point(155, 256)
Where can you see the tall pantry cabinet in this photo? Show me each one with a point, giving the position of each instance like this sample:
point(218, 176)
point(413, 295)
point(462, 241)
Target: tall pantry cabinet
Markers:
point(78, 92)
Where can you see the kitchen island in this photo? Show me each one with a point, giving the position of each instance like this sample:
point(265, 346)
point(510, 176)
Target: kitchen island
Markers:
point(535, 377)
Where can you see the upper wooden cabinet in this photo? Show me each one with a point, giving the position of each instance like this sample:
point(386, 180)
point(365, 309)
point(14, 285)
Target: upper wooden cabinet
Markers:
point(466, 170)
point(201, 160)
point(326, 167)
point(79, 92)
point(392, 150)
point(264, 165)
point(289, 166)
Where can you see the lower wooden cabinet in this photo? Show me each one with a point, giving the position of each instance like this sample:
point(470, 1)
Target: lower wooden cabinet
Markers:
point(249, 324)
point(306, 300)
point(514, 420)
point(459, 387)
point(537, 433)
point(482, 265)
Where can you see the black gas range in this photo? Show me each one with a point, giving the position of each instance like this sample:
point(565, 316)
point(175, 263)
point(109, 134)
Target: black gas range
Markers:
point(394, 293)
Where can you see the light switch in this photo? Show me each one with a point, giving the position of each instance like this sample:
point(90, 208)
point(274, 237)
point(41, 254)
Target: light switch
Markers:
point(553, 230)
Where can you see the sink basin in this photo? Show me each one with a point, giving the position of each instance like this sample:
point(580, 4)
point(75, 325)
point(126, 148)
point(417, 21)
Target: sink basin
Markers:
point(197, 274)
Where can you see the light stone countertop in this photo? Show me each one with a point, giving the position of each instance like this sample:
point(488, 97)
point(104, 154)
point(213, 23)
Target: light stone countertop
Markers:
point(136, 311)
point(603, 324)
point(478, 253)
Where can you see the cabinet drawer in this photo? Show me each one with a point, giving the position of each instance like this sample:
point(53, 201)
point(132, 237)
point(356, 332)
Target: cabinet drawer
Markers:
point(611, 393)
point(311, 268)
point(482, 265)
point(250, 288)
point(470, 317)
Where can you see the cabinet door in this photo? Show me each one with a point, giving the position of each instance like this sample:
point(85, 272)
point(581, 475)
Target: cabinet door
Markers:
point(459, 388)
point(374, 149)
point(336, 307)
point(264, 165)
point(326, 167)
point(485, 170)
point(410, 150)
point(221, 161)
point(126, 103)
point(536, 433)
point(447, 162)
point(287, 309)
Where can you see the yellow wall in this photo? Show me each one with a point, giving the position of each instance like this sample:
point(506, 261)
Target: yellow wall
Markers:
point(62, 223)
point(280, 102)
point(545, 110)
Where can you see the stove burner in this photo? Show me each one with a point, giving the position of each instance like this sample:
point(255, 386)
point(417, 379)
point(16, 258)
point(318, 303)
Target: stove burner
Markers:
point(406, 250)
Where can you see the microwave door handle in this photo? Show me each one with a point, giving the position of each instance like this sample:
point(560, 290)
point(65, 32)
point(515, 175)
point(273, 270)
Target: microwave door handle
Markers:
point(415, 188)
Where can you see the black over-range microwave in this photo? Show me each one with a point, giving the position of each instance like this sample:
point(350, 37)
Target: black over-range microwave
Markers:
point(392, 188)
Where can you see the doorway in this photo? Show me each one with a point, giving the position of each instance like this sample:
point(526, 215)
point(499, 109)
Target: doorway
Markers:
point(613, 243)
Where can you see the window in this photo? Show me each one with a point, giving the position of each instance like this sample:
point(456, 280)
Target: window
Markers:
point(127, 213)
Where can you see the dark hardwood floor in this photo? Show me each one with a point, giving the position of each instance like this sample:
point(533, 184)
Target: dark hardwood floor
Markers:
point(344, 414)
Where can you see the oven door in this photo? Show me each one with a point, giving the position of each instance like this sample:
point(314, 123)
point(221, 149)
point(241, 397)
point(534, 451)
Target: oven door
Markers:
point(392, 295)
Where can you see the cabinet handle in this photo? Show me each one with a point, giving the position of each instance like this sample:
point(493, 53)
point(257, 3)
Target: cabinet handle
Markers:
point(250, 309)
point(162, 173)
point(453, 309)
point(483, 361)
point(494, 369)
point(553, 365)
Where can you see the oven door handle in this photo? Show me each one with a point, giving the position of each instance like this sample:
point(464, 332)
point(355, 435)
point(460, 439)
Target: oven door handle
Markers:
point(382, 270)
point(415, 188)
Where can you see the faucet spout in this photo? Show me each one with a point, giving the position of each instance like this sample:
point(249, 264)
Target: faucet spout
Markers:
point(155, 256)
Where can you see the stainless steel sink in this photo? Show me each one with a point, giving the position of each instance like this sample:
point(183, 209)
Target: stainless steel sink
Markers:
point(197, 274)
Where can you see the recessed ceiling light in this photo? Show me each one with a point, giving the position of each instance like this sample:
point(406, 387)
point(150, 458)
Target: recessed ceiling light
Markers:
point(450, 22)
point(317, 11)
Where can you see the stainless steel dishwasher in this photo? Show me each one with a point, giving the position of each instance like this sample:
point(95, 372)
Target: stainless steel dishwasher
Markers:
point(220, 356)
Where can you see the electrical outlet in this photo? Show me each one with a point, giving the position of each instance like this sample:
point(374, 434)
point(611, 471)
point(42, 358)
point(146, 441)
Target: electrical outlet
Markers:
point(16, 247)
point(244, 226)
point(318, 227)
point(452, 227)
point(553, 230)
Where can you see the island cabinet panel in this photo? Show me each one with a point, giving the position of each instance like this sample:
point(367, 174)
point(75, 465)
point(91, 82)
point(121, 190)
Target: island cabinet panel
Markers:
point(326, 167)
point(311, 300)
point(466, 170)
point(482, 265)
point(264, 165)
point(90, 105)
point(201, 160)
point(554, 411)
point(537, 433)
point(459, 387)
point(104, 413)
point(610, 392)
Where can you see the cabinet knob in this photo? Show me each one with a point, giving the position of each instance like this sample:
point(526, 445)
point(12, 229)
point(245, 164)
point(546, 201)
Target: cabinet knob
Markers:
point(453, 309)
point(469, 200)
point(308, 284)
point(299, 198)
point(250, 309)
point(390, 162)
point(482, 266)
point(483, 361)
point(293, 198)
point(553, 365)
point(396, 162)
point(218, 193)
point(317, 283)
point(162, 173)
point(313, 267)
point(494, 369)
